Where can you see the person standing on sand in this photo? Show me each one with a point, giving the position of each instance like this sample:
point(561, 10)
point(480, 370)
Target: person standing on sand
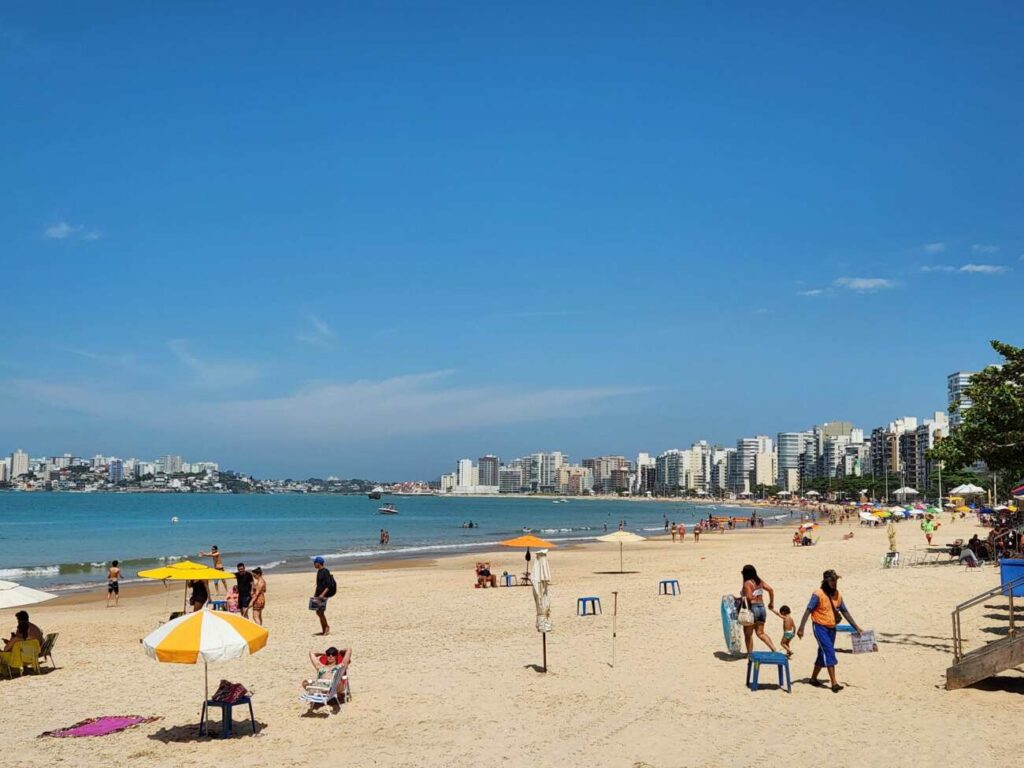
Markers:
point(326, 587)
point(245, 582)
point(682, 532)
point(696, 532)
point(753, 595)
point(675, 531)
point(259, 595)
point(218, 564)
point(823, 609)
point(113, 582)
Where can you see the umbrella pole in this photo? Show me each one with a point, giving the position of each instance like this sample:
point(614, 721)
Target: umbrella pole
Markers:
point(615, 615)
point(620, 557)
point(544, 645)
point(206, 673)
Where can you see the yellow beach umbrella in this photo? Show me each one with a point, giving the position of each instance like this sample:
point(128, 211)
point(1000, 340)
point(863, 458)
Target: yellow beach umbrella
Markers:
point(184, 570)
point(527, 541)
point(205, 636)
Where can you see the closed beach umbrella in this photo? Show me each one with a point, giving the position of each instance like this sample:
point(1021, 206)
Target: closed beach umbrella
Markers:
point(14, 595)
point(205, 636)
point(540, 578)
point(621, 537)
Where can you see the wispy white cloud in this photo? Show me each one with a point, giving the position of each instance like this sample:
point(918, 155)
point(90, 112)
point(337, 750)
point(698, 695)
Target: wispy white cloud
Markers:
point(812, 292)
point(984, 269)
point(978, 269)
point(64, 231)
point(318, 334)
point(214, 373)
point(983, 249)
point(122, 360)
point(865, 284)
point(324, 413)
point(933, 247)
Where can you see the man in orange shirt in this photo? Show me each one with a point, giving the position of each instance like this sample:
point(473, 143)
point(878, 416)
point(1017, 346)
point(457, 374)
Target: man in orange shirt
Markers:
point(823, 609)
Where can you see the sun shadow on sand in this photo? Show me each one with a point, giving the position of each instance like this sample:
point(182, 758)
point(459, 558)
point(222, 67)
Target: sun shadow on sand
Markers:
point(1003, 683)
point(614, 573)
point(723, 656)
point(185, 734)
point(918, 640)
point(536, 668)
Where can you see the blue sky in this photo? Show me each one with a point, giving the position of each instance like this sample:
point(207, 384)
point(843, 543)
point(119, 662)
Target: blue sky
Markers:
point(370, 240)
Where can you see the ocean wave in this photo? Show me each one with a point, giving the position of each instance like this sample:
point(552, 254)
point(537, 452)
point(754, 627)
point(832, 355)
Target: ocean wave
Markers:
point(272, 564)
point(32, 571)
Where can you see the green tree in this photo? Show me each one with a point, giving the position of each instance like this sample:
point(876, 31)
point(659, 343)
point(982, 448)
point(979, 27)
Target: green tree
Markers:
point(992, 429)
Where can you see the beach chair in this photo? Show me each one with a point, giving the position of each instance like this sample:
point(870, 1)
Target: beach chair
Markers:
point(24, 653)
point(331, 688)
point(46, 650)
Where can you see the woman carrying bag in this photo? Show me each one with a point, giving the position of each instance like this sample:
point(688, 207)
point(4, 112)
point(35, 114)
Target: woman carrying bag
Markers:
point(753, 615)
point(824, 609)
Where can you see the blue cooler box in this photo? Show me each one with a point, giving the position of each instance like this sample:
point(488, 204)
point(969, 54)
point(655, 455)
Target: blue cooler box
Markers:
point(1010, 570)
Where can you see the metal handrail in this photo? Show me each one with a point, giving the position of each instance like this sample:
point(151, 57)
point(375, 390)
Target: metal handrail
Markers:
point(1003, 589)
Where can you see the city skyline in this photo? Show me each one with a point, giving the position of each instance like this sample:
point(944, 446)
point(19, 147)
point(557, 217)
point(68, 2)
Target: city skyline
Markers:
point(450, 229)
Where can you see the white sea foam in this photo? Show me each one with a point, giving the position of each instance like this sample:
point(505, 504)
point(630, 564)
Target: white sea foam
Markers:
point(30, 572)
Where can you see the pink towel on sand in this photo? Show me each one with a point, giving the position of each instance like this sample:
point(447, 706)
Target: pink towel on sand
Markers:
point(100, 726)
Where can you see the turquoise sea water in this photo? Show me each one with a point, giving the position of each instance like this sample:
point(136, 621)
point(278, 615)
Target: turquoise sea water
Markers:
point(66, 540)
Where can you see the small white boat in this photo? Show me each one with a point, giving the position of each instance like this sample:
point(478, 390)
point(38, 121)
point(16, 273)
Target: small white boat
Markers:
point(387, 509)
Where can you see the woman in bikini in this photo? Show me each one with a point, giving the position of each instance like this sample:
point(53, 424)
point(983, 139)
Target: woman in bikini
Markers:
point(259, 595)
point(753, 595)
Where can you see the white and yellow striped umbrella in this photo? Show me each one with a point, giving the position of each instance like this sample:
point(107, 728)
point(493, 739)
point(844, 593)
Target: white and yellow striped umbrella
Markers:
point(205, 636)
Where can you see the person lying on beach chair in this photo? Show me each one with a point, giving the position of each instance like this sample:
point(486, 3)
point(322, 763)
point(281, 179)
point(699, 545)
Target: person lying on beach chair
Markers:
point(484, 577)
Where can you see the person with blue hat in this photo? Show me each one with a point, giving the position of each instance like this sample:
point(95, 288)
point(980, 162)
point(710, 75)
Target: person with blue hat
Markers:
point(326, 587)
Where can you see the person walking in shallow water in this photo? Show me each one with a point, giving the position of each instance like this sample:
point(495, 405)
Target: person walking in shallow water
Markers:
point(823, 609)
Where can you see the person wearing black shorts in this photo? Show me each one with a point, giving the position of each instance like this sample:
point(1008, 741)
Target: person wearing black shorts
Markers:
point(113, 583)
point(244, 579)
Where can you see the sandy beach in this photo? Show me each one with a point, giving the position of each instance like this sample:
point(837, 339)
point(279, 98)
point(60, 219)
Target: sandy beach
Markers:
point(443, 674)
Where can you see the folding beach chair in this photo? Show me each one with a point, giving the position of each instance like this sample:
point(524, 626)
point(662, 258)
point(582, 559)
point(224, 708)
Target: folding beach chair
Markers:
point(24, 653)
point(46, 651)
point(331, 688)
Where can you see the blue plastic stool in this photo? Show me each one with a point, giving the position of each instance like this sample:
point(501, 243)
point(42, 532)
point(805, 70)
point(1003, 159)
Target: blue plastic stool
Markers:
point(664, 584)
point(844, 628)
point(593, 602)
point(225, 716)
point(509, 579)
point(756, 659)
point(219, 605)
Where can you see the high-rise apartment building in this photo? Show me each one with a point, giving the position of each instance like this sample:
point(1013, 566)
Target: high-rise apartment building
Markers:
point(791, 449)
point(488, 469)
point(115, 470)
point(19, 464)
point(602, 467)
point(465, 473)
point(169, 465)
point(956, 384)
point(5, 470)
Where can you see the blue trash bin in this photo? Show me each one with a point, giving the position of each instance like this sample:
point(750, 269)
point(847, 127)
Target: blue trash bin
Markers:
point(1009, 570)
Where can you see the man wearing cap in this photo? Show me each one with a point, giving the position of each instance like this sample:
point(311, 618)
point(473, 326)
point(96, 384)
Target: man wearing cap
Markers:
point(823, 609)
point(326, 587)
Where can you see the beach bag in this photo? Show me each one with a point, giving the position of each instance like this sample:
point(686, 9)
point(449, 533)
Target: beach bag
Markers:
point(317, 603)
point(229, 693)
point(745, 616)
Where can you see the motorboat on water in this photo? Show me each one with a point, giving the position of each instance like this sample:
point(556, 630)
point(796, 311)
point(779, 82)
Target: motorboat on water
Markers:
point(387, 509)
point(375, 493)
